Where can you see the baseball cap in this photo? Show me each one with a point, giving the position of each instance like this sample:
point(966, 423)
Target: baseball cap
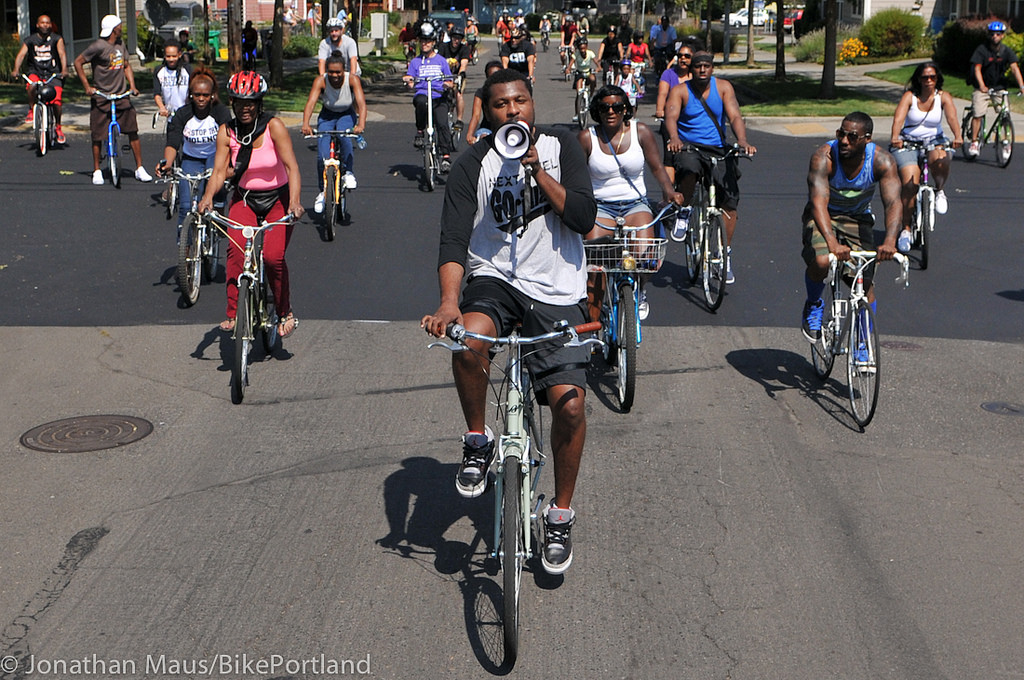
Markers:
point(109, 23)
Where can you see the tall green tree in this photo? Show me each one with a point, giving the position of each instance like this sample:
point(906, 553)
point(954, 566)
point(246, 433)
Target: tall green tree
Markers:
point(780, 40)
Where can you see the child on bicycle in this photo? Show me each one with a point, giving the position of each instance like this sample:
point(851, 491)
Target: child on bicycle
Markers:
point(344, 108)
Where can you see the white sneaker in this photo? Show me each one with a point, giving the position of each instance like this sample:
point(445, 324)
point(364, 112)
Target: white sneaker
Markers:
point(142, 175)
point(350, 181)
point(97, 177)
point(318, 204)
point(941, 204)
point(974, 149)
point(729, 276)
point(905, 241)
point(681, 226)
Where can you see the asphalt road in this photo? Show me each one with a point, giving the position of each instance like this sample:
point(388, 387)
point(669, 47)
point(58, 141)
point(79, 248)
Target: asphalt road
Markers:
point(736, 524)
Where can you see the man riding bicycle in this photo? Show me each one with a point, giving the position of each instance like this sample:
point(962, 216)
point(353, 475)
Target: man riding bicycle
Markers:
point(482, 224)
point(519, 53)
point(112, 73)
point(569, 35)
point(430, 64)
point(457, 53)
point(695, 113)
point(663, 42)
point(48, 58)
point(337, 41)
point(837, 219)
point(583, 64)
point(988, 64)
point(344, 108)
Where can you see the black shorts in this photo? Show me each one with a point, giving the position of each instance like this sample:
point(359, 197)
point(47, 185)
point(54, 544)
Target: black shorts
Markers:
point(549, 364)
point(726, 175)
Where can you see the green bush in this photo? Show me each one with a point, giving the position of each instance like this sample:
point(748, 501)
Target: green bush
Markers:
point(301, 46)
point(9, 47)
point(893, 33)
point(811, 46)
point(957, 41)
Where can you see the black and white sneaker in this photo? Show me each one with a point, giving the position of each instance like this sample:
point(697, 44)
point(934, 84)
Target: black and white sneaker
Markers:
point(557, 555)
point(477, 454)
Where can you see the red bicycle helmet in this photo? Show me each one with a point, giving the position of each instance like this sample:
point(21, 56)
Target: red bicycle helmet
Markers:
point(247, 85)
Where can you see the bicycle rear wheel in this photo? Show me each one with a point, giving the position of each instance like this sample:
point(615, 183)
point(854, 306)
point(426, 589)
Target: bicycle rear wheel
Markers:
point(513, 554)
point(1004, 140)
point(331, 189)
point(243, 342)
point(39, 127)
point(822, 355)
point(926, 206)
point(114, 157)
point(965, 127)
point(626, 380)
point(862, 366)
point(266, 319)
point(190, 260)
point(714, 263)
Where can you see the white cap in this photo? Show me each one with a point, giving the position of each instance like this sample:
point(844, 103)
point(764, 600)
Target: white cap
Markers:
point(110, 22)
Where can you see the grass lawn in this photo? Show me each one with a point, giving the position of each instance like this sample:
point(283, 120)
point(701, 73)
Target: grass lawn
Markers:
point(956, 85)
point(762, 95)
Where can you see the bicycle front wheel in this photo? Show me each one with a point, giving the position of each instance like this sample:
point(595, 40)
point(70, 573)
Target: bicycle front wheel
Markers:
point(823, 351)
point(1004, 140)
point(627, 334)
point(39, 126)
point(172, 199)
point(429, 167)
point(513, 554)
point(243, 342)
point(331, 190)
point(862, 366)
point(114, 157)
point(454, 126)
point(714, 263)
point(189, 260)
point(693, 245)
point(926, 205)
point(581, 110)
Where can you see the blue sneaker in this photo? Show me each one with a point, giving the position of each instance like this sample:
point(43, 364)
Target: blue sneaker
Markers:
point(862, 359)
point(811, 325)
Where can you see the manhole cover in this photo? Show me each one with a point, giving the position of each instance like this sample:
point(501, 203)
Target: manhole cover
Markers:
point(900, 345)
point(1003, 408)
point(86, 433)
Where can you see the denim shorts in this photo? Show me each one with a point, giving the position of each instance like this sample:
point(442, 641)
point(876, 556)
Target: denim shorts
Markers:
point(613, 209)
point(905, 157)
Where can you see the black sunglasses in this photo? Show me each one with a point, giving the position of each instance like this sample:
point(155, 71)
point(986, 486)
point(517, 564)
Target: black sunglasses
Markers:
point(617, 108)
point(851, 136)
point(685, 55)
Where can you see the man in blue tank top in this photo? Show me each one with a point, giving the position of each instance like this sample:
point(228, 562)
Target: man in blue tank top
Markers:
point(689, 121)
point(837, 218)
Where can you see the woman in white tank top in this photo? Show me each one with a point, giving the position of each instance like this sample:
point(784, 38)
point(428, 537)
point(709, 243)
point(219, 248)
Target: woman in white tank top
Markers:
point(618, 149)
point(918, 118)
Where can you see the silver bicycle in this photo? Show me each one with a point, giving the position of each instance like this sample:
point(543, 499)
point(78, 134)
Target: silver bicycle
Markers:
point(848, 328)
point(520, 456)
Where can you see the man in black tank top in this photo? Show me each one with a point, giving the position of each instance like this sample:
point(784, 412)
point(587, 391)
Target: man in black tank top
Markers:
point(46, 57)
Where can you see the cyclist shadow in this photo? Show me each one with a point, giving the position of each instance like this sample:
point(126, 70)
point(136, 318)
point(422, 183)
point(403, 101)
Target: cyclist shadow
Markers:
point(226, 350)
point(778, 370)
point(674, 277)
point(421, 504)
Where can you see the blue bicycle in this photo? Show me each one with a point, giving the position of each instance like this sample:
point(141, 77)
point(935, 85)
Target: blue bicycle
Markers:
point(113, 157)
point(622, 257)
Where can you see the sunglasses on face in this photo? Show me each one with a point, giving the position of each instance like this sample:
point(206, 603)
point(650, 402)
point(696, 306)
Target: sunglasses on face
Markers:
point(617, 108)
point(932, 77)
point(685, 55)
point(851, 137)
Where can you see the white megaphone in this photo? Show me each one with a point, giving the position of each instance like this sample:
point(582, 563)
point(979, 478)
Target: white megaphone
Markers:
point(512, 140)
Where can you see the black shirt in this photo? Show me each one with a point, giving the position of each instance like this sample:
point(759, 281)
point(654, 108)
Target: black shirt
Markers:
point(517, 56)
point(42, 52)
point(993, 63)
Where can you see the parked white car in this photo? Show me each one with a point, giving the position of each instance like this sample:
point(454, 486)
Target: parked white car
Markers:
point(740, 18)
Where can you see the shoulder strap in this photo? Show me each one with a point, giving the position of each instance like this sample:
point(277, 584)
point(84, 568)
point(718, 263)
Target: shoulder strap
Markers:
point(707, 109)
point(245, 150)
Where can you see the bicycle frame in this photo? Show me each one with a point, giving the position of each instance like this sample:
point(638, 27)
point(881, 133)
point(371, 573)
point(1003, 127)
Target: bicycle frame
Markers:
point(113, 133)
point(924, 206)
point(47, 132)
point(431, 155)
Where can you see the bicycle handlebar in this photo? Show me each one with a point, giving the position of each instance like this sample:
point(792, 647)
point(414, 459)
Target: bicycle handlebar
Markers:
point(734, 150)
point(176, 173)
point(866, 257)
point(333, 133)
point(113, 97)
point(38, 83)
point(459, 335)
point(212, 216)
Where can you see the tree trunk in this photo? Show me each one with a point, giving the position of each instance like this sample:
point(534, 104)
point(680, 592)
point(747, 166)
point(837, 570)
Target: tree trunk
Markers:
point(828, 72)
point(205, 52)
point(277, 46)
point(234, 29)
point(780, 40)
point(750, 32)
point(726, 33)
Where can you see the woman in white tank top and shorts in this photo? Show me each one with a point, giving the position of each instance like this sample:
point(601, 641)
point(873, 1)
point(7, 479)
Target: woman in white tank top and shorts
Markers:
point(617, 149)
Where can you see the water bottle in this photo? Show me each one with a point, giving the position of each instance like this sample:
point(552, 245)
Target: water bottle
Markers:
point(360, 142)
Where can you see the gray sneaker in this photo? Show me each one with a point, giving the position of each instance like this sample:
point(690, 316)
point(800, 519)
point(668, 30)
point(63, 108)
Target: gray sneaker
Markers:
point(477, 454)
point(557, 555)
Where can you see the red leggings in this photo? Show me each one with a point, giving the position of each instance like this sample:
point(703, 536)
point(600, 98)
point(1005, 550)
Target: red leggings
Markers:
point(275, 242)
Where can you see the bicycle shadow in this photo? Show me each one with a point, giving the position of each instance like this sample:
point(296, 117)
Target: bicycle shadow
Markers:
point(225, 348)
point(674, 277)
point(777, 370)
point(602, 382)
point(411, 173)
point(421, 504)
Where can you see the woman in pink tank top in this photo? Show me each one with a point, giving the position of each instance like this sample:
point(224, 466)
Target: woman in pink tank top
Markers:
point(267, 188)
